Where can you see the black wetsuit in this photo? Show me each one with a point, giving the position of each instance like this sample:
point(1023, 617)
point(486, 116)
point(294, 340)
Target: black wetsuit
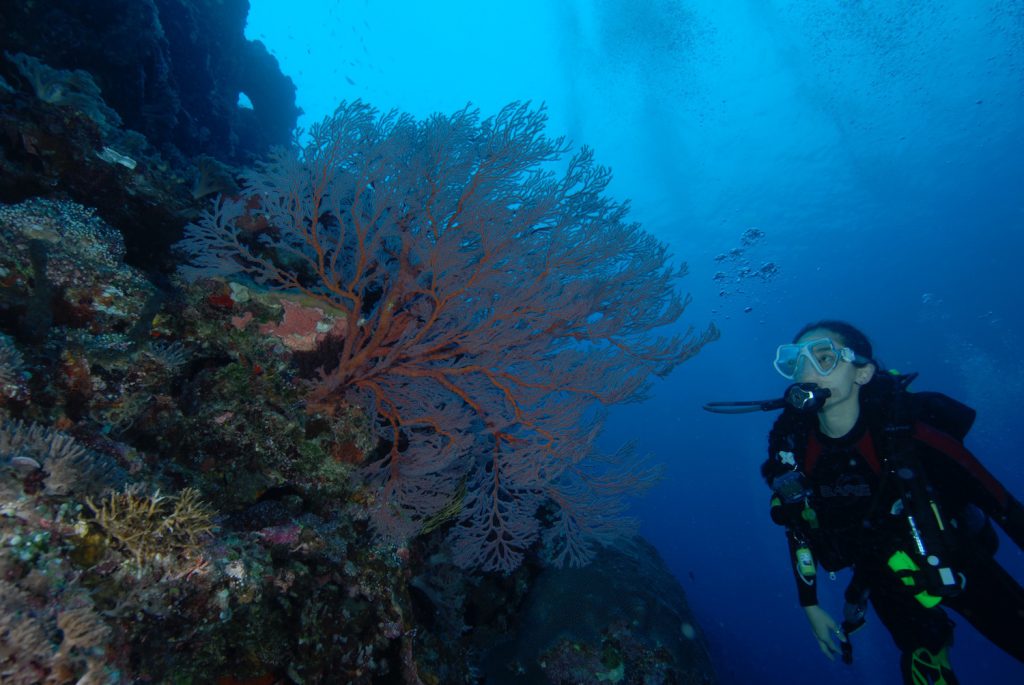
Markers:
point(853, 501)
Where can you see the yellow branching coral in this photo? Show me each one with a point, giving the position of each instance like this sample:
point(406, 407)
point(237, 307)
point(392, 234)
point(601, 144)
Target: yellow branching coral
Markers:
point(153, 527)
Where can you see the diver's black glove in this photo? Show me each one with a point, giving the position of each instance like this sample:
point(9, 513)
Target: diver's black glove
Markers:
point(846, 648)
point(854, 616)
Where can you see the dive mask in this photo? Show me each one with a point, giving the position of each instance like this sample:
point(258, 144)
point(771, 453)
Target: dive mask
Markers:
point(821, 353)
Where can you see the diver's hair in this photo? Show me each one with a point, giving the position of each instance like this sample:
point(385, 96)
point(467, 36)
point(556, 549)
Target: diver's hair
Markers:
point(849, 335)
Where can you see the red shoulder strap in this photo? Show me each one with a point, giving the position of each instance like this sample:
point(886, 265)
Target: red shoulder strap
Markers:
point(812, 453)
point(866, 447)
point(955, 450)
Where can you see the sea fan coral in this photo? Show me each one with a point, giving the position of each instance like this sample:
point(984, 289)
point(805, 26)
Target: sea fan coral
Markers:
point(488, 307)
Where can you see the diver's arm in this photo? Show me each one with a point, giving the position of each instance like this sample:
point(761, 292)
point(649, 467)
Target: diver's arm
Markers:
point(826, 630)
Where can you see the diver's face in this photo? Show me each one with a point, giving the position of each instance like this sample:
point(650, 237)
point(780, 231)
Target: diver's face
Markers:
point(843, 381)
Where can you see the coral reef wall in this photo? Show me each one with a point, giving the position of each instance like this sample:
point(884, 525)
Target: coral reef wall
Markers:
point(132, 107)
point(173, 506)
point(172, 69)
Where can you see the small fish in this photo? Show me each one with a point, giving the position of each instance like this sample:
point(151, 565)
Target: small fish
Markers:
point(24, 462)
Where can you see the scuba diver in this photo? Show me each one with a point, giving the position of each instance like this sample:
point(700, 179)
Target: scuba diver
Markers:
point(870, 476)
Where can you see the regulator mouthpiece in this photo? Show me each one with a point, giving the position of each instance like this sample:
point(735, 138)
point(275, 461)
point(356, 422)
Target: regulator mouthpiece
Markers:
point(807, 397)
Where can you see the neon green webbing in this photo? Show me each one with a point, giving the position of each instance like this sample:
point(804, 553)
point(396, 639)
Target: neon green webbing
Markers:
point(927, 668)
point(904, 566)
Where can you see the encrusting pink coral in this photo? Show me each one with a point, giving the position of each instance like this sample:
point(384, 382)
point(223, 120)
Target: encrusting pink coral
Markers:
point(303, 328)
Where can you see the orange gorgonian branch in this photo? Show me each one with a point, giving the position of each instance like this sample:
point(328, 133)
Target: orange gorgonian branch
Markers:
point(492, 304)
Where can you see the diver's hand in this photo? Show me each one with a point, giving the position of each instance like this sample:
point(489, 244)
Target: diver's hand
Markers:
point(825, 630)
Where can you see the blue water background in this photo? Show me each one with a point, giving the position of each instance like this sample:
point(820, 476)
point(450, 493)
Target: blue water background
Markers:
point(878, 145)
